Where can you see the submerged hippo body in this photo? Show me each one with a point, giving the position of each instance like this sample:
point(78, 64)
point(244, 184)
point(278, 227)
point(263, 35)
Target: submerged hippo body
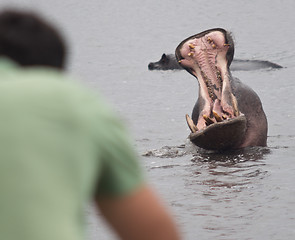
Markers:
point(169, 62)
point(228, 114)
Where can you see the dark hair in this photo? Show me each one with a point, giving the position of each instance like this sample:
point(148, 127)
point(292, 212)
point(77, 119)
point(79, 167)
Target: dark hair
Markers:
point(28, 40)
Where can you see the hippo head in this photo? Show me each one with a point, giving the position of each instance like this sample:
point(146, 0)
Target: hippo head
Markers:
point(161, 64)
point(216, 122)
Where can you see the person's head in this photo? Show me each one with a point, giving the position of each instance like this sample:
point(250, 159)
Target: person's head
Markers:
point(28, 40)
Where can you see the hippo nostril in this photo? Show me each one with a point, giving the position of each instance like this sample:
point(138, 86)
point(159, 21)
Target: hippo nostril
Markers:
point(151, 66)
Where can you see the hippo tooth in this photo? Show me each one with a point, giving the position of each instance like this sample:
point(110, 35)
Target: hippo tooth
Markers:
point(190, 54)
point(191, 124)
point(226, 45)
point(219, 75)
point(208, 120)
point(217, 117)
point(224, 116)
point(213, 45)
point(191, 46)
point(235, 106)
point(209, 39)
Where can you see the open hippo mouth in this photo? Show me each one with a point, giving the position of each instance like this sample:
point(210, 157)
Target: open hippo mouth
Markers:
point(216, 122)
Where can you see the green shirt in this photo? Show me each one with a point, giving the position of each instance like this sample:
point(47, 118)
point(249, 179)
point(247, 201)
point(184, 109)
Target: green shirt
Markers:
point(59, 147)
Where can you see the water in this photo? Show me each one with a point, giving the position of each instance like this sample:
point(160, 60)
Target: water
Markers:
point(249, 194)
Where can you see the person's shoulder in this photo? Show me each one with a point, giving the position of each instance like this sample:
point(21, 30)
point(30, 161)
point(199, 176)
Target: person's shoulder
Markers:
point(56, 79)
point(47, 74)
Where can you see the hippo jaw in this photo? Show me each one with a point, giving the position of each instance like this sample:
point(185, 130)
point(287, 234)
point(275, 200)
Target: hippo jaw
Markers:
point(218, 124)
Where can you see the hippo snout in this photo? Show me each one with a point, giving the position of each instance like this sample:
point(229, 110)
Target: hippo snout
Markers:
point(151, 66)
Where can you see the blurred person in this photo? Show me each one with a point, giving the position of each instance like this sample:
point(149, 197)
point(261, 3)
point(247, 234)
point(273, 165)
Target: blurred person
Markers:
point(61, 146)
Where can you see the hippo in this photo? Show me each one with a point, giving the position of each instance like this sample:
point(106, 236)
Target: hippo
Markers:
point(228, 114)
point(168, 62)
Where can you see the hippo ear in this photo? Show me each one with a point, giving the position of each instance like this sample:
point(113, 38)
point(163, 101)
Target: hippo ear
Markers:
point(164, 58)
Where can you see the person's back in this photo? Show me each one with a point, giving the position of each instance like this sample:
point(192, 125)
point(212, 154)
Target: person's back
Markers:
point(61, 147)
point(52, 134)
